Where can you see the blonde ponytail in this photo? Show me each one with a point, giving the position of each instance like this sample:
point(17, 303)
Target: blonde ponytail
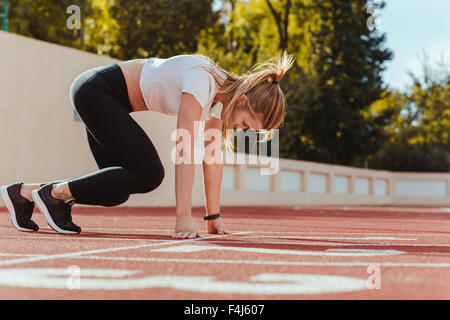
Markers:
point(264, 96)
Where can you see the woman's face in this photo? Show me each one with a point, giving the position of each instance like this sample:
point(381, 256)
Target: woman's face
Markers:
point(243, 119)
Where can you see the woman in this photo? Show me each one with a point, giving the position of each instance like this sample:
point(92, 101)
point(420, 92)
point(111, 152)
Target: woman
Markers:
point(192, 87)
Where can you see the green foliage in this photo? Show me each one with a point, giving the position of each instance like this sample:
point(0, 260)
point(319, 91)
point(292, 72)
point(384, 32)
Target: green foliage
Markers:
point(119, 28)
point(160, 28)
point(101, 29)
point(46, 20)
point(325, 118)
point(403, 156)
point(419, 132)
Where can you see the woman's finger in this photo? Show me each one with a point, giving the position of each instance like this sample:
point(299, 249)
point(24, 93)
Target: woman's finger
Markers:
point(180, 235)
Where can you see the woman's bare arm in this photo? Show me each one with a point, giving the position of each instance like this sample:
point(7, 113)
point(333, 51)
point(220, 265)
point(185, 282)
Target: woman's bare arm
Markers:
point(190, 111)
point(212, 171)
point(212, 174)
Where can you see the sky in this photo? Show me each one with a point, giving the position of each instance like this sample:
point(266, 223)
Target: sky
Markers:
point(413, 28)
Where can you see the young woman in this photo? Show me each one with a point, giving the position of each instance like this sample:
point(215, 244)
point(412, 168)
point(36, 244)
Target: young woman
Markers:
point(194, 88)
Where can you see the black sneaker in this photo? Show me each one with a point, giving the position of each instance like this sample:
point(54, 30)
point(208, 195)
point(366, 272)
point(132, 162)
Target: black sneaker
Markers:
point(57, 212)
point(20, 208)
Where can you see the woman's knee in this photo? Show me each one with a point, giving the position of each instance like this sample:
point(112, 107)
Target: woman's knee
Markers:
point(77, 88)
point(117, 200)
point(85, 91)
point(152, 180)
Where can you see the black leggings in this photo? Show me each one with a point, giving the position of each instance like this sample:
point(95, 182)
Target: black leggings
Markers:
point(125, 155)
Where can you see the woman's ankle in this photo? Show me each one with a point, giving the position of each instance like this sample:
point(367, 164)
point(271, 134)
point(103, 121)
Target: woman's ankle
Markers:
point(61, 192)
point(26, 189)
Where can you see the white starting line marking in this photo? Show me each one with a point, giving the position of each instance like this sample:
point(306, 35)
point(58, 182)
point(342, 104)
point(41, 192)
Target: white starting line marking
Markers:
point(79, 253)
point(254, 262)
point(350, 233)
point(335, 238)
point(119, 238)
point(6, 254)
point(129, 229)
point(272, 262)
point(260, 284)
point(292, 232)
point(329, 252)
point(130, 237)
point(327, 244)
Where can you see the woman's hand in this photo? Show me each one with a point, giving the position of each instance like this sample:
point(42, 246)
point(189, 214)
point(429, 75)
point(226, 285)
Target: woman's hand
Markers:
point(186, 228)
point(216, 226)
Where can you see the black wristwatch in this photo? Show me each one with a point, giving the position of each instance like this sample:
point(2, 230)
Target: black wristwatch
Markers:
point(212, 217)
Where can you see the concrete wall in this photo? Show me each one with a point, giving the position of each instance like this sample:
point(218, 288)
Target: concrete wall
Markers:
point(41, 141)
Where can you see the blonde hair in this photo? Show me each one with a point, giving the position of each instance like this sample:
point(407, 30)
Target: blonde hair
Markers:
point(263, 97)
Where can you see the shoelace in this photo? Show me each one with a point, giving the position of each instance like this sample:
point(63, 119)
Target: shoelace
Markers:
point(70, 202)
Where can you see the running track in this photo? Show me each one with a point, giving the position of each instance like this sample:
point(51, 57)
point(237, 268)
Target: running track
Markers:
point(296, 252)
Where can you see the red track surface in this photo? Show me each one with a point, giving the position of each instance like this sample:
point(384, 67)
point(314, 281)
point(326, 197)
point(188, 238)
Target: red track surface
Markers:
point(274, 253)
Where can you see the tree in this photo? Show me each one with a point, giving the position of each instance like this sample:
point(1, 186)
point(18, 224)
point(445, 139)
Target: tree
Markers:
point(343, 80)
point(282, 22)
point(119, 28)
point(46, 20)
point(419, 134)
point(336, 78)
point(161, 27)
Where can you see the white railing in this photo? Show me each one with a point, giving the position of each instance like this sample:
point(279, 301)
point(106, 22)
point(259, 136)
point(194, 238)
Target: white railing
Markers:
point(304, 182)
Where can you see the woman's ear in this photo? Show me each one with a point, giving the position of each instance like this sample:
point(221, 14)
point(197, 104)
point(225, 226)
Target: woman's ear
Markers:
point(243, 99)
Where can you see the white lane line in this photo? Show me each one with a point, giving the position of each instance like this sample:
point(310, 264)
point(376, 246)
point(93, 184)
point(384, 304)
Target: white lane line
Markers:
point(111, 229)
point(335, 238)
point(328, 252)
point(352, 233)
point(230, 242)
point(282, 232)
point(129, 229)
point(80, 253)
point(260, 262)
point(6, 254)
point(326, 244)
point(277, 262)
point(58, 238)
point(290, 232)
point(128, 238)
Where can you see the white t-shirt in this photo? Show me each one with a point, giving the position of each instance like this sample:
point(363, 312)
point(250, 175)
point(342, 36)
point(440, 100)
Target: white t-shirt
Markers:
point(163, 81)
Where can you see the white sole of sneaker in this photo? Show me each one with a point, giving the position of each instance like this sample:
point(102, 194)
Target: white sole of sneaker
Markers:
point(10, 206)
point(40, 204)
